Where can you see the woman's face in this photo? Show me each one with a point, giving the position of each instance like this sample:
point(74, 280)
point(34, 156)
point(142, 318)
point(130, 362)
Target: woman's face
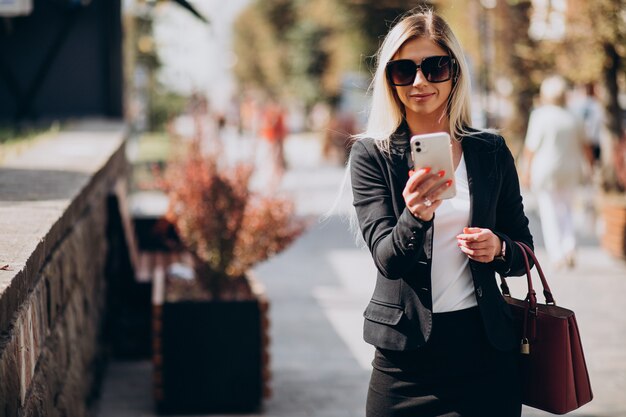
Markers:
point(422, 99)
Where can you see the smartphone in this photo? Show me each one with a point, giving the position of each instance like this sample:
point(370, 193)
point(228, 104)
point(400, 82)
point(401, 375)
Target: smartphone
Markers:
point(435, 151)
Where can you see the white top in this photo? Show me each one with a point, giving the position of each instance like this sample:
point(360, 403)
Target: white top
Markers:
point(556, 137)
point(451, 279)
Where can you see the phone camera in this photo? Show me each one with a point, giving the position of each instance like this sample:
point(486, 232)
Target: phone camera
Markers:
point(418, 149)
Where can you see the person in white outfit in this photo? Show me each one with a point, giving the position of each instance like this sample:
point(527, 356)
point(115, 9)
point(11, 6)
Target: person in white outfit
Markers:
point(554, 153)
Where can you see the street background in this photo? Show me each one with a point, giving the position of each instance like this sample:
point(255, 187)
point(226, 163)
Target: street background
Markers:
point(320, 286)
point(284, 84)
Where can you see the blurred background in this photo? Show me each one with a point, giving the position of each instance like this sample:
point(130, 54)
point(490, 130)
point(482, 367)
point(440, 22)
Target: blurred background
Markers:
point(146, 61)
point(284, 84)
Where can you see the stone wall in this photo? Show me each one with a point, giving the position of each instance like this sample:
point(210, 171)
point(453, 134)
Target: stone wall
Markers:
point(54, 210)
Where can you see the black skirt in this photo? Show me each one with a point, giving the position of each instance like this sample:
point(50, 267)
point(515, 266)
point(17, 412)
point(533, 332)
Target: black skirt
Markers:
point(457, 373)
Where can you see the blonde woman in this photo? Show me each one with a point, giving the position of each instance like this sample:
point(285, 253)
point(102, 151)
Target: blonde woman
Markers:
point(445, 344)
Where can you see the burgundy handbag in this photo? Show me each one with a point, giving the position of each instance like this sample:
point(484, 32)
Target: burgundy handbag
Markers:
point(553, 369)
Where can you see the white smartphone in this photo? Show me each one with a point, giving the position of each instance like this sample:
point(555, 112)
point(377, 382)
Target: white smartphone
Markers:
point(435, 151)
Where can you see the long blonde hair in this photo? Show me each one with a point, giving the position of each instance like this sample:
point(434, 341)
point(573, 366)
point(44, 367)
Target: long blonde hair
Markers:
point(387, 112)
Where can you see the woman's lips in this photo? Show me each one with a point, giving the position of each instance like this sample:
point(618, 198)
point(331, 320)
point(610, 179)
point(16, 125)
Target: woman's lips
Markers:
point(421, 96)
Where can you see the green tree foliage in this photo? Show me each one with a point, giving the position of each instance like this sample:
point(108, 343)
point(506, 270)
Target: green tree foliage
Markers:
point(261, 56)
point(297, 48)
point(375, 18)
point(302, 48)
point(164, 105)
point(289, 48)
point(523, 65)
point(145, 52)
point(593, 49)
point(140, 51)
point(307, 69)
point(607, 21)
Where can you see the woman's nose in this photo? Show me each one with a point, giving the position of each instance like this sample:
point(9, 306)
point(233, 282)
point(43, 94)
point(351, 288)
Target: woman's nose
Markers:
point(419, 77)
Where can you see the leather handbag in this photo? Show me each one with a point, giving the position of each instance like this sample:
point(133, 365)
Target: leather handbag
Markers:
point(553, 369)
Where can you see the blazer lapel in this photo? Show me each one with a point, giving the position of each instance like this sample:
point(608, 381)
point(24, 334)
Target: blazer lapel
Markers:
point(400, 153)
point(400, 168)
point(399, 160)
point(480, 177)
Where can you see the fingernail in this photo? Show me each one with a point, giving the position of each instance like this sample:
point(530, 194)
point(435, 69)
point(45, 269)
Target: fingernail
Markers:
point(448, 183)
point(441, 173)
point(411, 172)
point(426, 170)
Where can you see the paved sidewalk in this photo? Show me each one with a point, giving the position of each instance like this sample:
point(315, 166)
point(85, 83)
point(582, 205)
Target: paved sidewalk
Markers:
point(319, 287)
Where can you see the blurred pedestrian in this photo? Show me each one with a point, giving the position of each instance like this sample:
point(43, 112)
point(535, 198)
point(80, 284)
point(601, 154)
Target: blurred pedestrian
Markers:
point(554, 149)
point(444, 337)
point(589, 110)
point(274, 131)
point(591, 113)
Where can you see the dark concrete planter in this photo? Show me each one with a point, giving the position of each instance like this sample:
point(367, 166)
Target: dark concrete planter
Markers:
point(210, 356)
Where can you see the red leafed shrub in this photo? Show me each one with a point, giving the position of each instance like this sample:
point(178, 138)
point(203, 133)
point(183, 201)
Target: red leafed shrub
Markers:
point(226, 225)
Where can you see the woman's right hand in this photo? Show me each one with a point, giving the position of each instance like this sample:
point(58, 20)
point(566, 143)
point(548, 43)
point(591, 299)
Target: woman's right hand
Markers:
point(422, 191)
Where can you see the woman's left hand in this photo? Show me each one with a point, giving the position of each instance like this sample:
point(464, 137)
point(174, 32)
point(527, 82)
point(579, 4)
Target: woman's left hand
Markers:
point(479, 244)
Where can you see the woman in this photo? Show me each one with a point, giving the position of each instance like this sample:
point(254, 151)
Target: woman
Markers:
point(445, 344)
point(554, 153)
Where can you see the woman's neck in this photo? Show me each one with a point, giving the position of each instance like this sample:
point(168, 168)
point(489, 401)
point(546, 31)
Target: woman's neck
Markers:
point(431, 123)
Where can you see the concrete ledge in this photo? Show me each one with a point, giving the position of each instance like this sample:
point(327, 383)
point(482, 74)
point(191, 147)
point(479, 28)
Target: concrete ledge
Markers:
point(53, 218)
point(42, 192)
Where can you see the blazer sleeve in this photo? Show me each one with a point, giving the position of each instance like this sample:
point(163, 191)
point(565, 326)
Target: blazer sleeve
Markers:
point(395, 242)
point(511, 221)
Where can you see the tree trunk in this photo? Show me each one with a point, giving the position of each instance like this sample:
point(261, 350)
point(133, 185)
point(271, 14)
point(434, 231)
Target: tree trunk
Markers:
point(610, 70)
point(613, 118)
point(520, 66)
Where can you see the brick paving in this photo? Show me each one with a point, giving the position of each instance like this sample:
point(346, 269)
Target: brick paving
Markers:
point(319, 287)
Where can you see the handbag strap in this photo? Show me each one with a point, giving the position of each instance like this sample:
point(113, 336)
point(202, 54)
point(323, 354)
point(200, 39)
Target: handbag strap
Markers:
point(531, 296)
point(547, 292)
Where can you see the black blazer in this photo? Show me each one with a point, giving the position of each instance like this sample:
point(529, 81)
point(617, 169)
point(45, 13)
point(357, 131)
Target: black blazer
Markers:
point(399, 315)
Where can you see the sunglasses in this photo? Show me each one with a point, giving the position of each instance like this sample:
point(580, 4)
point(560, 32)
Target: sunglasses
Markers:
point(436, 69)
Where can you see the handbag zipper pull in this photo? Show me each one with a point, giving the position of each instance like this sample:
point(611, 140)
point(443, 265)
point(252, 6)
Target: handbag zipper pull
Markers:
point(524, 347)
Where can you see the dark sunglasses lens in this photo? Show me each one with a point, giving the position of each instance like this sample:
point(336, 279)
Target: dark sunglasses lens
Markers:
point(437, 69)
point(402, 72)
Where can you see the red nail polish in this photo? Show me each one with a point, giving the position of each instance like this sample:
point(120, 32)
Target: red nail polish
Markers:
point(427, 170)
point(441, 173)
point(448, 183)
point(411, 172)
